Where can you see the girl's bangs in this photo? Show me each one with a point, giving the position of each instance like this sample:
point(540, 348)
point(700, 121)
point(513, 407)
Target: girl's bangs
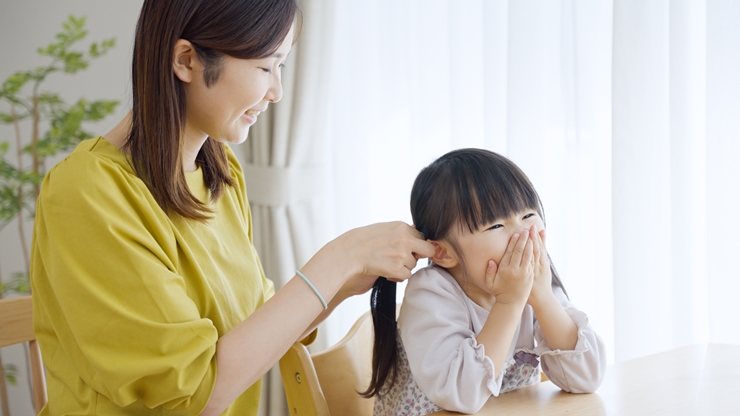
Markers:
point(496, 192)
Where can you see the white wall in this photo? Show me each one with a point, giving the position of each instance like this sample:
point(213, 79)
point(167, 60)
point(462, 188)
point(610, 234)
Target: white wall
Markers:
point(26, 25)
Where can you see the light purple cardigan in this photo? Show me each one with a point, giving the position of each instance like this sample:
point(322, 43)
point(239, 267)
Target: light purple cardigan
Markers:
point(438, 324)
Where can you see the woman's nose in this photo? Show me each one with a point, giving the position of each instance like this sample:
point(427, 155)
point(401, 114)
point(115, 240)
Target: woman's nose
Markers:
point(275, 92)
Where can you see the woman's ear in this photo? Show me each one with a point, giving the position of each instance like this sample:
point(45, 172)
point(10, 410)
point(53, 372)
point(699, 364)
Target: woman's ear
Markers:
point(185, 62)
point(444, 255)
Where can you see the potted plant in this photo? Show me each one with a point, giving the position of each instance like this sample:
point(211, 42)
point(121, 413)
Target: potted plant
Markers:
point(56, 126)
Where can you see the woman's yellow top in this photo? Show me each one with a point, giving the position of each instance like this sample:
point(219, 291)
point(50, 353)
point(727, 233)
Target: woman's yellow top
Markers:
point(129, 302)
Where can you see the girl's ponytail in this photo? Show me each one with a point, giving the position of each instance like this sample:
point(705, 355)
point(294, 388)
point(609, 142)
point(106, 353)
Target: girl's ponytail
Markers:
point(383, 309)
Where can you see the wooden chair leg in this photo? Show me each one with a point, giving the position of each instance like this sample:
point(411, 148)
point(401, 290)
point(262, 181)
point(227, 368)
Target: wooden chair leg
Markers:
point(38, 376)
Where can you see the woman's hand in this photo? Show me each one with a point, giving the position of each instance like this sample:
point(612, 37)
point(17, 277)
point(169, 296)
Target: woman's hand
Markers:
point(388, 249)
point(350, 264)
point(358, 284)
point(511, 280)
point(542, 286)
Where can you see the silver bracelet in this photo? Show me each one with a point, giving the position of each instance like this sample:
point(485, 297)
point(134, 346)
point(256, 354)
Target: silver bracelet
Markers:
point(316, 291)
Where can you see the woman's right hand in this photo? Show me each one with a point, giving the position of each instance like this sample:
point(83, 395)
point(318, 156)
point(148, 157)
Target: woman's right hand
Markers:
point(511, 280)
point(389, 249)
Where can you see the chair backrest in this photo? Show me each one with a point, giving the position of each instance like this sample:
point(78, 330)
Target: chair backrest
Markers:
point(326, 383)
point(16, 326)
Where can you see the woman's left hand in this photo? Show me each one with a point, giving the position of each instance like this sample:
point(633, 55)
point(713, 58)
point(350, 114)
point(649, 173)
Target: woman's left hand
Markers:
point(542, 286)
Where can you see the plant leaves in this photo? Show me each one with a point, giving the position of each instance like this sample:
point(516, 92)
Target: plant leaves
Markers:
point(65, 122)
point(15, 82)
point(11, 374)
point(66, 126)
point(19, 283)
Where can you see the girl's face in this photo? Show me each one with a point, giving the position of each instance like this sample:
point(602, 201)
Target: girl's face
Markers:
point(225, 110)
point(487, 243)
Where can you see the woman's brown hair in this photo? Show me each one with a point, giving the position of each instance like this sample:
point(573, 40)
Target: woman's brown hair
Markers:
point(241, 29)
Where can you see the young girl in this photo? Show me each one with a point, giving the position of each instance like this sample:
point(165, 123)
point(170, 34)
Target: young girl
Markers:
point(478, 320)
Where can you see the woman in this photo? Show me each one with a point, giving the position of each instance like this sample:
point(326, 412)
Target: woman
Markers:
point(149, 297)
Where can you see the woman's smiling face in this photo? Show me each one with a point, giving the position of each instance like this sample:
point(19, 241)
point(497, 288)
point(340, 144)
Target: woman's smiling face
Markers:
point(227, 108)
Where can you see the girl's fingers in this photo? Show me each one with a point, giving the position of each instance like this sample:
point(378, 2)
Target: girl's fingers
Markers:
point(528, 253)
point(519, 248)
point(543, 248)
point(506, 259)
point(534, 236)
point(517, 256)
point(491, 273)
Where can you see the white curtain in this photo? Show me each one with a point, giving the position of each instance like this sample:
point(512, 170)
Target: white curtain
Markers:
point(285, 168)
point(722, 179)
point(624, 114)
point(675, 179)
point(660, 290)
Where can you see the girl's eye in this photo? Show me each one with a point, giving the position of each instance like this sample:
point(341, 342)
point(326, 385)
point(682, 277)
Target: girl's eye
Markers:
point(529, 215)
point(496, 226)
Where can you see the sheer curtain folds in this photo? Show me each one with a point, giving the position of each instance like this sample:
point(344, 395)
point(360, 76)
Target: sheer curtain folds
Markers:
point(675, 145)
point(722, 167)
point(658, 176)
point(285, 168)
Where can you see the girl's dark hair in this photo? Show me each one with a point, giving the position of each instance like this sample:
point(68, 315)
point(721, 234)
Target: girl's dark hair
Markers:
point(466, 188)
point(241, 29)
point(385, 354)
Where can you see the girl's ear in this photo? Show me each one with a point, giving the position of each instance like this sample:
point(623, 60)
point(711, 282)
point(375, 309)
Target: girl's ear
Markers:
point(185, 61)
point(444, 256)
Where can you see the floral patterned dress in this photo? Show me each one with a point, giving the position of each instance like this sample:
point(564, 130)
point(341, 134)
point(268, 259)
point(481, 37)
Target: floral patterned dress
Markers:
point(405, 398)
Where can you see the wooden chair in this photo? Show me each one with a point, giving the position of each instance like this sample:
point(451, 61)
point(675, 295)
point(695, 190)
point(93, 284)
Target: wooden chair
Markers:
point(16, 326)
point(326, 383)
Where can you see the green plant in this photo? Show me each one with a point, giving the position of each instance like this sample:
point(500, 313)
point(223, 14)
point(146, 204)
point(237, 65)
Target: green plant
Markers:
point(56, 126)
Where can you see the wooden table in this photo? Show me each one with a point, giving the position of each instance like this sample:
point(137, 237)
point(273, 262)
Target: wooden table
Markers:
point(694, 380)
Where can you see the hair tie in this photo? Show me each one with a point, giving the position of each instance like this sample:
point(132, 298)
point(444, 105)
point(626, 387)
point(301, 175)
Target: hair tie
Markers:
point(316, 291)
